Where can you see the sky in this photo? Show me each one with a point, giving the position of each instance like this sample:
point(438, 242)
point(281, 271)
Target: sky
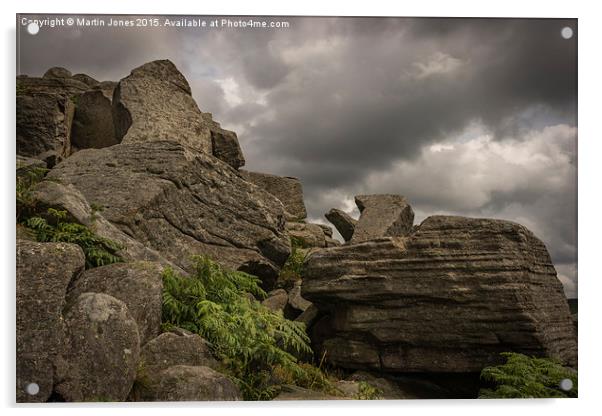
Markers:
point(473, 117)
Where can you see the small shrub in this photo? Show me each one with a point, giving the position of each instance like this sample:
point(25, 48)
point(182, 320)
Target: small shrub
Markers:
point(293, 267)
point(98, 251)
point(252, 341)
point(527, 377)
point(367, 392)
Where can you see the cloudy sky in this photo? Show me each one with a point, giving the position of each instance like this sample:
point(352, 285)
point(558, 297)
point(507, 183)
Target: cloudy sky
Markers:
point(473, 117)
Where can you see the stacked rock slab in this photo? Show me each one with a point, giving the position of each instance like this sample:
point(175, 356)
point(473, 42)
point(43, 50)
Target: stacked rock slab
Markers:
point(154, 103)
point(382, 216)
point(449, 297)
point(180, 203)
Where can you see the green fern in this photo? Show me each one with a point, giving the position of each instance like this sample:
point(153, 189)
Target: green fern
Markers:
point(98, 251)
point(527, 377)
point(247, 337)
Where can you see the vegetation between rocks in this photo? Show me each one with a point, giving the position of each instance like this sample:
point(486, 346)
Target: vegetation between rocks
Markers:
point(293, 267)
point(527, 377)
point(258, 347)
point(51, 225)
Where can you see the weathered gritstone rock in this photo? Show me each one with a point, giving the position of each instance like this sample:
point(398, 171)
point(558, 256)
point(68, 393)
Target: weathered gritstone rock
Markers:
point(288, 190)
point(44, 126)
point(290, 392)
point(189, 383)
point(307, 235)
point(25, 165)
point(57, 72)
point(225, 143)
point(154, 103)
point(448, 298)
point(382, 216)
point(182, 203)
point(276, 300)
point(343, 222)
point(44, 271)
point(86, 79)
point(169, 349)
point(104, 350)
point(139, 285)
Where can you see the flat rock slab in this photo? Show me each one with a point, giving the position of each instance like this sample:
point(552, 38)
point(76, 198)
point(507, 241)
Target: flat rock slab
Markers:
point(182, 203)
point(448, 298)
point(382, 216)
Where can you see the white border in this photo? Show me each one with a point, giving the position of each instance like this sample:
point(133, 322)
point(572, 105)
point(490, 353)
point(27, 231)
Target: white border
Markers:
point(590, 176)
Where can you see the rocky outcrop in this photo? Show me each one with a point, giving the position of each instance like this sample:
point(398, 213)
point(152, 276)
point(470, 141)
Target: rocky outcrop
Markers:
point(447, 298)
point(138, 285)
point(154, 103)
point(86, 79)
point(288, 190)
point(225, 143)
point(189, 383)
point(342, 221)
point(182, 203)
point(290, 392)
point(382, 216)
point(44, 271)
point(103, 351)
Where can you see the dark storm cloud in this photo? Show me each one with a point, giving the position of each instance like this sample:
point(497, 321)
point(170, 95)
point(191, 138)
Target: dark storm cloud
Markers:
point(355, 105)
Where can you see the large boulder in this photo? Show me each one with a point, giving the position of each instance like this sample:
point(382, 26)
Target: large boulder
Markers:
point(447, 298)
point(154, 103)
point(139, 285)
point(288, 190)
point(44, 271)
point(342, 221)
point(175, 348)
point(182, 203)
point(104, 350)
point(225, 143)
point(382, 216)
point(189, 383)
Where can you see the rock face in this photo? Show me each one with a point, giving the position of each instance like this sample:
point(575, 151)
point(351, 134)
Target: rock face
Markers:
point(93, 121)
point(447, 298)
point(342, 221)
point(154, 103)
point(288, 190)
point(382, 216)
point(182, 203)
point(44, 271)
point(104, 350)
point(276, 300)
point(28, 164)
point(225, 143)
point(44, 126)
point(307, 235)
point(190, 383)
point(138, 285)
